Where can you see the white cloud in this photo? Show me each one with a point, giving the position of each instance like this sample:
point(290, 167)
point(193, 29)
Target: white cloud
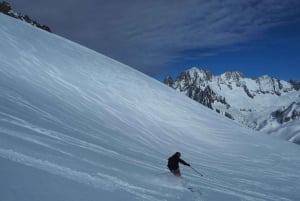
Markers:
point(150, 34)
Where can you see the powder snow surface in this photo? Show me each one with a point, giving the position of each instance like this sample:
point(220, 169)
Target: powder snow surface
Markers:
point(76, 125)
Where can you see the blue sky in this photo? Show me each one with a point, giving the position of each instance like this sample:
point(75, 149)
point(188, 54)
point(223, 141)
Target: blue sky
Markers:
point(275, 52)
point(161, 38)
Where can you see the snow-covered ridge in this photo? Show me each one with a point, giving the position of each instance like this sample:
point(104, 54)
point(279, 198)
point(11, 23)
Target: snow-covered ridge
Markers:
point(288, 114)
point(6, 9)
point(77, 125)
point(252, 102)
point(232, 76)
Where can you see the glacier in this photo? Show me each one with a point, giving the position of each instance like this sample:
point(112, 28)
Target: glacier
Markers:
point(77, 125)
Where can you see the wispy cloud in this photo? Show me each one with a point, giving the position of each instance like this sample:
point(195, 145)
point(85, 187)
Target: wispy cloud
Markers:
point(149, 34)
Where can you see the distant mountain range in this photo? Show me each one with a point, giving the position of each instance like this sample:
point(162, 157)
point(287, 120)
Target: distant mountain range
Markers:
point(6, 9)
point(265, 103)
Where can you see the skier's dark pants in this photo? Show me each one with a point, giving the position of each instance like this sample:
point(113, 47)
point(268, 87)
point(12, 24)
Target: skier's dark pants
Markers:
point(176, 172)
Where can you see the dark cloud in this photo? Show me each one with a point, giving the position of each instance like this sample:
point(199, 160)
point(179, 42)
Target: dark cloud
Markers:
point(149, 35)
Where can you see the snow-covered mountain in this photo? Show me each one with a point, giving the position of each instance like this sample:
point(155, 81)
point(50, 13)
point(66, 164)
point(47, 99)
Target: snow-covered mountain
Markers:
point(76, 125)
point(266, 104)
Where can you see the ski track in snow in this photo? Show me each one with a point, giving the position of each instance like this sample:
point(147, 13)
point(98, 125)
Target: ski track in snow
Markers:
point(98, 180)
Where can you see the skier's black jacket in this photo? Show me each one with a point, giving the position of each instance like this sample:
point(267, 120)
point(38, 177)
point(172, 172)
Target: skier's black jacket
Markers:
point(173, 162)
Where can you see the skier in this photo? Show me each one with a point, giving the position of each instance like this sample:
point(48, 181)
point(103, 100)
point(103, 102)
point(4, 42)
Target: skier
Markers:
point(173, 164)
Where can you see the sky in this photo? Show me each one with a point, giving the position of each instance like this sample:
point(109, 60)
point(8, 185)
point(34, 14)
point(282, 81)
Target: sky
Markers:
point(161, 38)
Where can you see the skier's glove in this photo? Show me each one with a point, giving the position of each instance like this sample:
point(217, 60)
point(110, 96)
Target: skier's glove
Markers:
point(189, 165)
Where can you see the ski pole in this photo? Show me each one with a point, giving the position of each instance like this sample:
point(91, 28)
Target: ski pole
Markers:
point(196, 171)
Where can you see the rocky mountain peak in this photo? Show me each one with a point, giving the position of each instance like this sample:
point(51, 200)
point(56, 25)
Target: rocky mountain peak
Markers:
point(192, 77)
point(168, 81)
point(269, 84)
point(232, 76)
point(287, 114)
point(198, 73)
point(295, 84)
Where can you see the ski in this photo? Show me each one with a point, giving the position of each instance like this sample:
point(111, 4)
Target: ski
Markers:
point(194, 190)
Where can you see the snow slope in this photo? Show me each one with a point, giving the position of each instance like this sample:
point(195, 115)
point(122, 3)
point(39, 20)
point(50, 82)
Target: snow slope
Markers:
point(76, 125)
